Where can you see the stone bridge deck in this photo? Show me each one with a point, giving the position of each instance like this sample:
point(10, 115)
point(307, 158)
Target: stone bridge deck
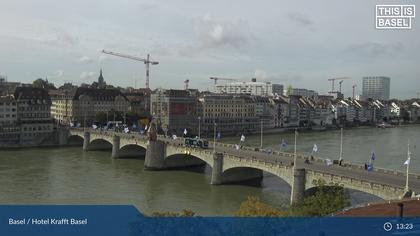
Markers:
point(231, 165)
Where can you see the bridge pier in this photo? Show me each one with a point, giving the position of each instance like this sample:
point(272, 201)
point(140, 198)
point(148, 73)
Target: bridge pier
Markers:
point(115, 147)
point(86, 141)
point(217, 171)
point(62, 136)
point(298, 187)
point(155, 155)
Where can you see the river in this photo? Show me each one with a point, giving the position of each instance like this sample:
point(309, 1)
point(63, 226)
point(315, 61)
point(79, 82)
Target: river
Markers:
point(70, 176)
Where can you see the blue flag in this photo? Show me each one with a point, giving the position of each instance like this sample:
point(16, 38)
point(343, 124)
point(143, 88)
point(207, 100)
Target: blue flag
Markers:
point(370, 167)
point(373, 157)
point(283, 143)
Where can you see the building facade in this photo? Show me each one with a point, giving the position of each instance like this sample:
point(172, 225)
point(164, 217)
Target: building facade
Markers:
point(253, 88)
point(174, 110)
point(83, 104)
point(34, 115)
point(376, 87)
point(232, 114)
point(9, 129)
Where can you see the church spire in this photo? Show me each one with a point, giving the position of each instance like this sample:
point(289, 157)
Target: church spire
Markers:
point(101, 81)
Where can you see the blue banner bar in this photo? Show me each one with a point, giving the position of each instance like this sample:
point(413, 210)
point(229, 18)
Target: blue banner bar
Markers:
point(123, 220)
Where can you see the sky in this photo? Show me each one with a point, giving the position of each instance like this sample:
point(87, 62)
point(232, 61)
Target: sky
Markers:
point(298, 43)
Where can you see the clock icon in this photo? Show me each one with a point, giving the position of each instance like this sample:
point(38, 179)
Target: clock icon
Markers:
point(387, 226)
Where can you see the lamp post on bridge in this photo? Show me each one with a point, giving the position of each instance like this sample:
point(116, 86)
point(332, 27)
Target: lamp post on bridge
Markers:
point(261, 132)
point(341, 146)
point(214, 138)
point(295, 151)
point(199, 127)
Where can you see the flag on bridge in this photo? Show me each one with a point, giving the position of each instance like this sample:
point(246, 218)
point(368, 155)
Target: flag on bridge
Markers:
point(185, 132)
point(126, 130)
point(328, 162)
point(283, 143)
point(373, 156)
point(145, 128)
point(237, 147)
point(94, 126)
point(242, 138)
point(315, 148)
point(174, 137)
point(407, 162)
point(370, 167)
point(219, 135)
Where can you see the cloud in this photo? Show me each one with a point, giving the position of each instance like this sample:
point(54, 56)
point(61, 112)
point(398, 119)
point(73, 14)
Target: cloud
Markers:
point(85, 60)
point(215, 33)
point(102, 57)
point(60, 38)
point(301, 20)
point(85, 75)
point(374, 50)
point(57, 74)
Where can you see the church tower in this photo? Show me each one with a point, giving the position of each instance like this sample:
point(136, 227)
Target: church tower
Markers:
point(101, 81)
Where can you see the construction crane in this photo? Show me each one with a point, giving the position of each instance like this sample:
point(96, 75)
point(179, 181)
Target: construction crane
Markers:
point(218, 78)
point(340, 83)
point(333, 83)
point(354, 91)
point(146, 61)
point(186, 84)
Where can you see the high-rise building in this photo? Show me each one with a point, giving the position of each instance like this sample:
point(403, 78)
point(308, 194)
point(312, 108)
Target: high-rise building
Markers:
point(376, 87)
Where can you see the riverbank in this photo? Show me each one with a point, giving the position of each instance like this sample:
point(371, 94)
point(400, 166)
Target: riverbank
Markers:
point(286, 130)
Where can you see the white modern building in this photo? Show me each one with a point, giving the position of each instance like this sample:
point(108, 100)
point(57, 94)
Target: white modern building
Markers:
point(376, 87)
point(253, 88)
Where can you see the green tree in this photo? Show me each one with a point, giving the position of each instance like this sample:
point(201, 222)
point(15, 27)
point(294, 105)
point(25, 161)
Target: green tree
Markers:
point(40, 83)
point(254, 207)
point(101, 117)
point(325, 201)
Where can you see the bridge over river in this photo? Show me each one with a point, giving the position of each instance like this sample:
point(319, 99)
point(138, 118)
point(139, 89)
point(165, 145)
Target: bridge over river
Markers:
point(231, 165)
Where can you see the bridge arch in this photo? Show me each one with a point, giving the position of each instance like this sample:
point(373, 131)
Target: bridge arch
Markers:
point(188, 155)
point(184, 160)
point(100, 144)
point(285, 173)
point(132, 150)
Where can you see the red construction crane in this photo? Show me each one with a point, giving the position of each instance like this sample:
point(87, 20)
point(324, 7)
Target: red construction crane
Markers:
point(218, 78)
point(186, 84)
point(333, 83)
point(146, 61)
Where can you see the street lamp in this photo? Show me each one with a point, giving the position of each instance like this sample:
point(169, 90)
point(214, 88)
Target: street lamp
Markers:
point(261, 124)
point(214, 138)
point(295, 152)
point(341, 146)
point(199, 127)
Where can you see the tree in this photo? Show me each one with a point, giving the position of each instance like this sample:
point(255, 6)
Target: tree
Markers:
point(325, 201)
point(101, 117)
point(40, 83)
point(184, 213)
point(253, 207)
